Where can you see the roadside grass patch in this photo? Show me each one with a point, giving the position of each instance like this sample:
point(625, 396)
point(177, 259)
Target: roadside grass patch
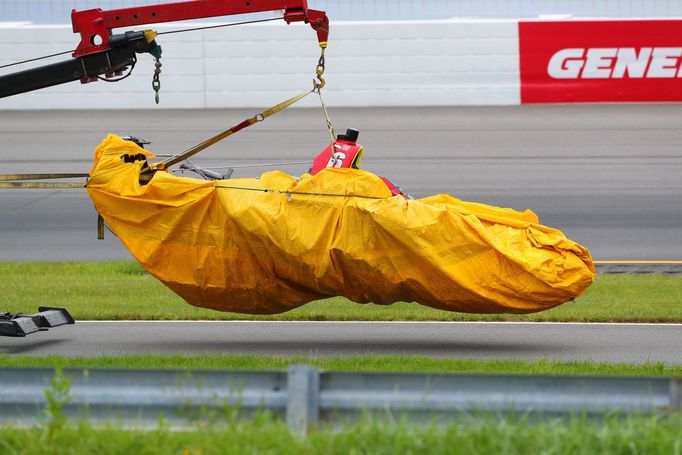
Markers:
point(123, 290)
point(264, 433)
point(366, 363)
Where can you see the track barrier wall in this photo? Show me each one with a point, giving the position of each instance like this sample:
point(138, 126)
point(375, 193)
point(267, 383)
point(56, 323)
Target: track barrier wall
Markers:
point(54, 11)
point(390, 63)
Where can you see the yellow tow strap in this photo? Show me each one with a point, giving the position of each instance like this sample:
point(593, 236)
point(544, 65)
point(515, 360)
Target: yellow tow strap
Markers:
point(15, 177)
point(317, 87)
point(17, 181)
point(230, 131)
point(39, 185)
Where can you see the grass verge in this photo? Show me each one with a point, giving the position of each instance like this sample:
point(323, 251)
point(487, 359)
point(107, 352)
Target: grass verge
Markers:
point(358, 363)
point(264, 434)
point(123, 290)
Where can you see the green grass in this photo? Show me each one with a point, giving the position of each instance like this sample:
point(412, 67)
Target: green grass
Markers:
point(123, 290)
point(264, 434)
point(355, 363)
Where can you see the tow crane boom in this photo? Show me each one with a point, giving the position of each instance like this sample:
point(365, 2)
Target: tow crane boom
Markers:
point(101, 52)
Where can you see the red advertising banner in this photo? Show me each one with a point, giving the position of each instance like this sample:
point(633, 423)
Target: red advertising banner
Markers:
point(600, 61)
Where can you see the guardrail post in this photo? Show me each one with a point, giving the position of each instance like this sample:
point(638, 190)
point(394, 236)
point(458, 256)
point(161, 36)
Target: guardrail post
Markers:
point(303, 398)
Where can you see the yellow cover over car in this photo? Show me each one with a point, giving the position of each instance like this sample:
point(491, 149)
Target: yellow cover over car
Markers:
point(271, 244)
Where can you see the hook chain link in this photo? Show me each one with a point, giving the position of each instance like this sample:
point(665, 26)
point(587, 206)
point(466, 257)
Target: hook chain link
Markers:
point(156, 81)
point(319, 82)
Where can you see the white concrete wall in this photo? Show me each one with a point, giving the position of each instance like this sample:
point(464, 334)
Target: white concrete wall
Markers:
point(431, 63)
point(57, 11)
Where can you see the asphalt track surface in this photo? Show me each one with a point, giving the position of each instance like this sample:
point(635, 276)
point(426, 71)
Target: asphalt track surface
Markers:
point(607, 175)
point(622, 343)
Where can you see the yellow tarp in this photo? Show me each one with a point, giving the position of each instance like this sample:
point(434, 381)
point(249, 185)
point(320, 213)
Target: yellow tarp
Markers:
point(271, 244)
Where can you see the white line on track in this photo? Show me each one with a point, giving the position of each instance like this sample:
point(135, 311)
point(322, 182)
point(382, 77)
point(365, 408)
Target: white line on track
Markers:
point(628, 262)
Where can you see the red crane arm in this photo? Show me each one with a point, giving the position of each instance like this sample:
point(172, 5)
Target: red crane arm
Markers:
point(100, 52)
point(95, 25)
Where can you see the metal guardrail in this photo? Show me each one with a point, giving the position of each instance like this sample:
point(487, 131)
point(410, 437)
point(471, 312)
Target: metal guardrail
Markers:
point(305, 395)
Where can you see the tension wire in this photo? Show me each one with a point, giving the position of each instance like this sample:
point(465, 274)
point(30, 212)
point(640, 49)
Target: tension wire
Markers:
point(231, 24)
